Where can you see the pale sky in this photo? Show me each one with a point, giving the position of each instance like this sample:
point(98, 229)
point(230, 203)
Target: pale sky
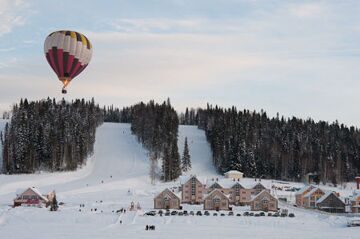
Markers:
point(296, 57)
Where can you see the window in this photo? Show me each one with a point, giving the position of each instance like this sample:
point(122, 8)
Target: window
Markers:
point(193, 186)
point(237, 190)
point(216, 200)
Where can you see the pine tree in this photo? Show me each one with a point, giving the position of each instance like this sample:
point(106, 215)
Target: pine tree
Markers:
point(186, 162)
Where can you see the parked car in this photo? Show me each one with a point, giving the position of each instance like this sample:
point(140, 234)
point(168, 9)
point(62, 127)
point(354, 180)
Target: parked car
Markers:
point(167, 213)
point(251, 214)
point(269, 214)
point(246, 213)
point(180, 214)
point(198, 213)
point(173, 213)
point(262, 214)
point(206, 213)
point(222, 214)
point(215, 214)
point(160, 212)
point(291, 215)
point(150, 213)
point(257, 215)
point(276, 214)
point(186, 213)
point(192, 213)
point(238, 215)
point(231, 214)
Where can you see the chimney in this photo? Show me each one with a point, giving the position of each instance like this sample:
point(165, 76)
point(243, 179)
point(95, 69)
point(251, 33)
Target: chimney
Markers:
point(357, 179)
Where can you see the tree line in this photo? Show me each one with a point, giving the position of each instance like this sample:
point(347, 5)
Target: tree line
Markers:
point(280, 148)
point(49, 135)
point(156, 127)
point(116, 115)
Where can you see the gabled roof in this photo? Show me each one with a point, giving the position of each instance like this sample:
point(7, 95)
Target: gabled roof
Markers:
point(215, 185)
point(304, 189)
point(326, 195)
point(237, 183)
point(168, 191)
point(261, 194)
point(36, 191)
point(216, 191)
point(311, 192)
point(258, 184)
point(185, 179)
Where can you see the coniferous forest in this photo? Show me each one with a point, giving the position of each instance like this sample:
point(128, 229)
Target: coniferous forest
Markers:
point(280, 148)
point(54, 136)
point(49, 135)
point(156, 127)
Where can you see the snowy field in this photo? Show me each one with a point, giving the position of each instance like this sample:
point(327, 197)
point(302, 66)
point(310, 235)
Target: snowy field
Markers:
point(120, 164)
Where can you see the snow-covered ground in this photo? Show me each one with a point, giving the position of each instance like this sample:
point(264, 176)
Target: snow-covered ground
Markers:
point(120, 164)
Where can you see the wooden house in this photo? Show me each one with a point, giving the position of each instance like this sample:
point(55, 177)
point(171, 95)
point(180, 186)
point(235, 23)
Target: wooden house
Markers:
point(167, 200)
point(216, 200)
point(330, 202)
point(299, 195)
point(311, 197)
point(30, 197)
point(355, 202)
point(264, 201)
point(192, 191)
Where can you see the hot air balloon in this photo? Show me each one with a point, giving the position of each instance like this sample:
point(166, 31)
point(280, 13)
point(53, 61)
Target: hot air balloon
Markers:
point(68, 53)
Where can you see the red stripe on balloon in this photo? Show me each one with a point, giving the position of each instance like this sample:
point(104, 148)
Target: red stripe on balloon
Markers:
point(52, 62)
point(75, 69)
point(60, 61)
point(70, 62)
point(82, 67)
point(49, 61)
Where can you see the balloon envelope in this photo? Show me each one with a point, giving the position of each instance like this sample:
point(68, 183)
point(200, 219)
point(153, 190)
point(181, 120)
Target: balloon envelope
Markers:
point(68, 53)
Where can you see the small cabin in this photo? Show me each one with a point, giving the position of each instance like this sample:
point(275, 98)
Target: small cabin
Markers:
point(264, 201)
point(330, 202)
point(234, 174)
point(30, 197)
point(299, 195)
point(167, 200)
point(311, 197)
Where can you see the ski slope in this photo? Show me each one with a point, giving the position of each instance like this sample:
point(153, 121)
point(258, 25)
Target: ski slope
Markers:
point(116, 175)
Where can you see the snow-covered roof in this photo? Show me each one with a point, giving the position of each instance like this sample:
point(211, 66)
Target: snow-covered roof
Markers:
point(184, 178)
point(36, 191)
point(355, 195)
point(224, 182)
point(228, 183)
point(301, 191)
point(311, 192)
point(234, 172)
point(261, 193)
point(327, 194)
point(166, 190)
point(214, 191)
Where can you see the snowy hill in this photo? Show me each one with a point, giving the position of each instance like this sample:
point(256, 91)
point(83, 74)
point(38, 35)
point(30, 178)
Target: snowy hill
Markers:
point(116, 175)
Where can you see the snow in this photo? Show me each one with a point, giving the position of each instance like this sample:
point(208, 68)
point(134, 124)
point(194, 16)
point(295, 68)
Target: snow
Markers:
point(117, 174)
point(327, 194)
